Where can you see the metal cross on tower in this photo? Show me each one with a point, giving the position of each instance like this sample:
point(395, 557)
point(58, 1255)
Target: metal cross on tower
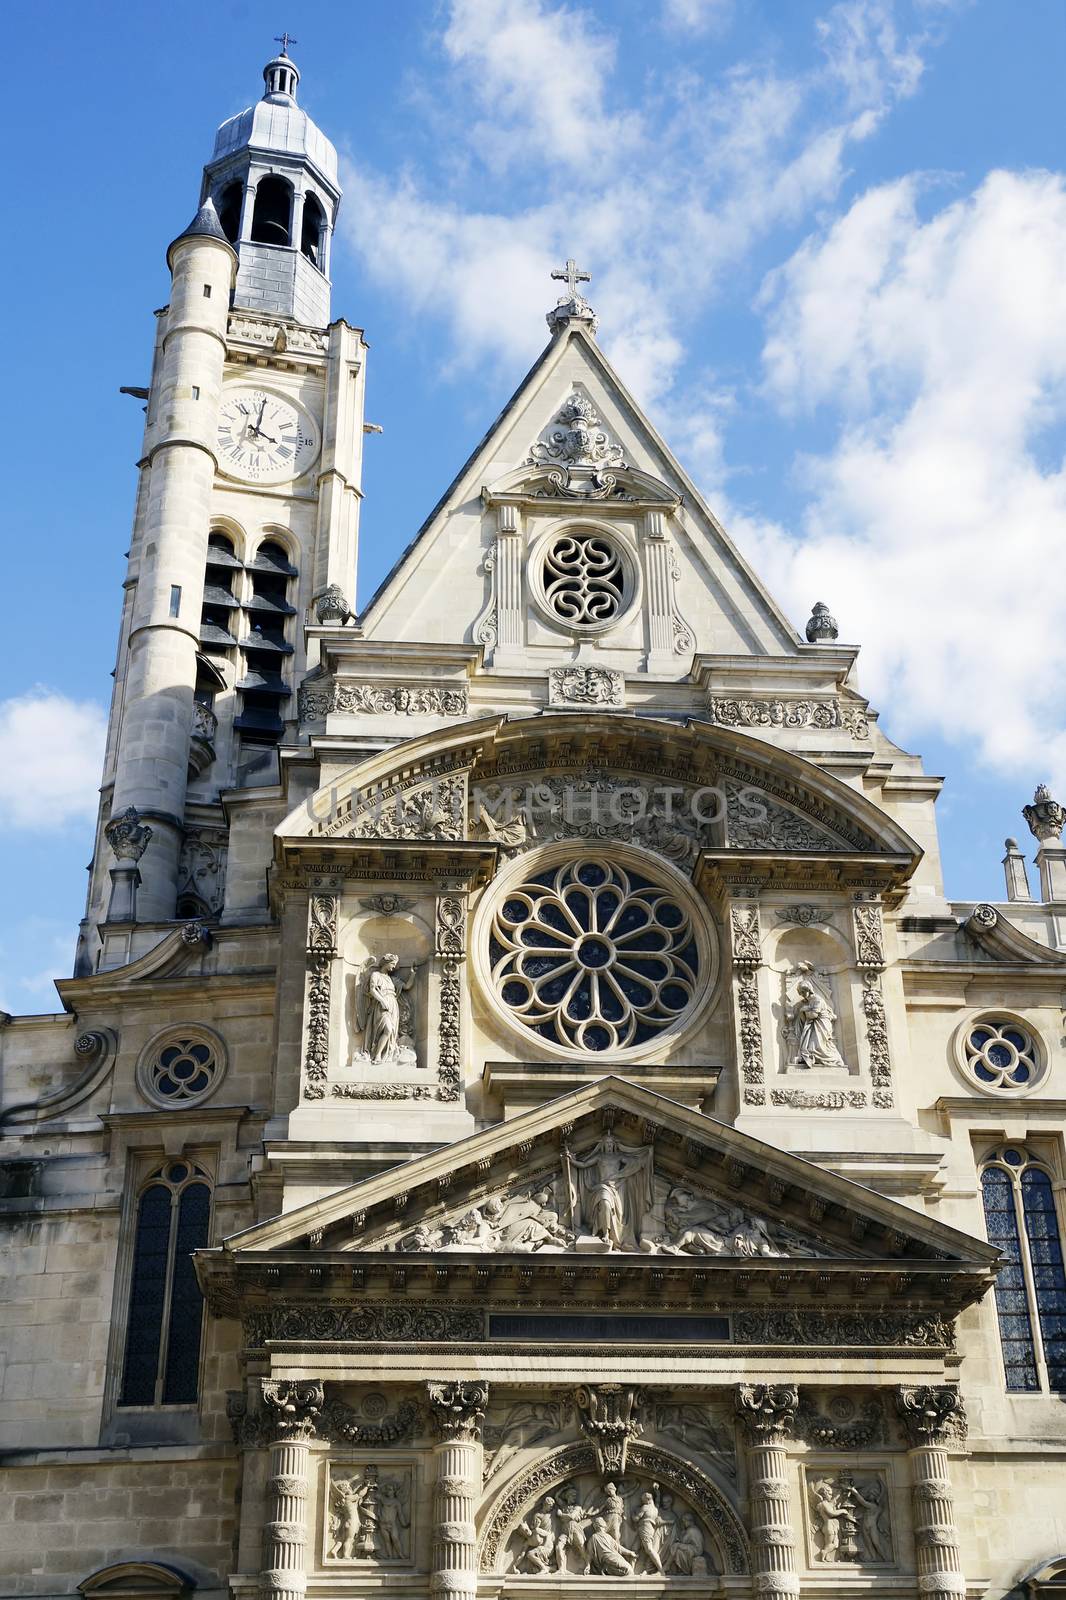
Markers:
point(285, 39)
point(572, 275)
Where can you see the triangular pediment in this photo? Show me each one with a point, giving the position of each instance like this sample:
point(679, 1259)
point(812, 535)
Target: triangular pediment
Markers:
point(616, 1173)
point(572, 436)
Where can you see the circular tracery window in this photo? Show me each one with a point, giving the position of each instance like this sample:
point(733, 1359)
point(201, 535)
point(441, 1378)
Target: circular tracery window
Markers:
point(584, 578)
point(1001, 1054)
point(181, 1065)
point(595, 956)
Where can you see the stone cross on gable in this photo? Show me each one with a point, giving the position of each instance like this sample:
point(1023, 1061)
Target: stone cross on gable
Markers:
point(572, 275)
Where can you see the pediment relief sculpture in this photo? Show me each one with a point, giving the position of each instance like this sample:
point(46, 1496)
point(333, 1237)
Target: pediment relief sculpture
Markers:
point(607, 1200)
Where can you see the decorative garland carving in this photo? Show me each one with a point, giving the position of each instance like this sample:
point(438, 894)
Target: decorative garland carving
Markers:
point(747, 956)
point(451, 951)
point(722, 1521)
point(341, 1425)
point(845, 1430)
point(819, 1100)
point(321, 950)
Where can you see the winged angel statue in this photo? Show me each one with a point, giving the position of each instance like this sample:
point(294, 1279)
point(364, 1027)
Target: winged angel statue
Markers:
point(380, 1011)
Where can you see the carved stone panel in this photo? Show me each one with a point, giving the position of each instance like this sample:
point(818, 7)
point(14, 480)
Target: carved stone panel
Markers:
point(368, 1514)
point(622, 1528)
point(848, 1517)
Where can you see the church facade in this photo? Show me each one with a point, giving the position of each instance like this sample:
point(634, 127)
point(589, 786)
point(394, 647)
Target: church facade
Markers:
point(525, 1119)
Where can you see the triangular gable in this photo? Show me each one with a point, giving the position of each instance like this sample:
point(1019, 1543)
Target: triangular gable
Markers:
point(731, 611)
point(805, 1214)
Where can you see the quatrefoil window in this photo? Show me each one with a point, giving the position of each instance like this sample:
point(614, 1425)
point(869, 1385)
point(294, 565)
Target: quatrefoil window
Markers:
point(594, 956)
point(1001, 1054)
point(181, 1066)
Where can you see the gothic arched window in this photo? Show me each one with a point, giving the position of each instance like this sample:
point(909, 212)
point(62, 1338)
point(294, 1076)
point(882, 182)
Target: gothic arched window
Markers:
point(166, 1309)
point(1021, 1218)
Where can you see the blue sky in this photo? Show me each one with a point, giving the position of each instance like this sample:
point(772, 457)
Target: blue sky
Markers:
point(828, 244)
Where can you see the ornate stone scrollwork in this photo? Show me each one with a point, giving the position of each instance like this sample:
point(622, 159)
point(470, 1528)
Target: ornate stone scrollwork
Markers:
point(458, 1409)
point(127, 835)
point(586, 686)
point(293, 1406)
point(609, 1416)
point(321, 950)
point(767, 1411)
point(931, 1414)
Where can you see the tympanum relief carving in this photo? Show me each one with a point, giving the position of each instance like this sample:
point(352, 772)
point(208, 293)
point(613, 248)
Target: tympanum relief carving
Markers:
point(628, 1527)
point(368, 1517)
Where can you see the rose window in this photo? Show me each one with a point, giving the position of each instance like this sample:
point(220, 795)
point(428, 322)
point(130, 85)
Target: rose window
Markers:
point(1001, 1054)
point(594, 956)
point(181, 1066)
point(584, 579)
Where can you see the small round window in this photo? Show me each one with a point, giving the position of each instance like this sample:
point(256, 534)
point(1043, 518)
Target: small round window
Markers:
point(181, 1066)
point(1000, 1055)
point(583, 579)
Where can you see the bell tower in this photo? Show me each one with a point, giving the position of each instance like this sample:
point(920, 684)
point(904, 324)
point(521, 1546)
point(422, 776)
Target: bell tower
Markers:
point(273, 179)
point(245, 525)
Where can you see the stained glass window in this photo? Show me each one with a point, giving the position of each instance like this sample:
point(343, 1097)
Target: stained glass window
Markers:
point(165, 1321)
point(1021, 1219)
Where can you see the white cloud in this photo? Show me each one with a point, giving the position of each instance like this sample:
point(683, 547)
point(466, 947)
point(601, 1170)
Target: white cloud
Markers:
point(696, 16)
point(935, 526)
point(530, 92)
point(51, 749)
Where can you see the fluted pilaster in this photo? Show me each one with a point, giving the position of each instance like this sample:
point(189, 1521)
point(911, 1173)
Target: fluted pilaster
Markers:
point(767, 1414)
point(458, 1411)
point(292, 1409)
point(932, 1416)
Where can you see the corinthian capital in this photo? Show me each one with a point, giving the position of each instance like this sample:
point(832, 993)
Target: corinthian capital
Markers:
point(293, 1407)
point(458, 1409)
point(767, 1411)
point(931, 1414)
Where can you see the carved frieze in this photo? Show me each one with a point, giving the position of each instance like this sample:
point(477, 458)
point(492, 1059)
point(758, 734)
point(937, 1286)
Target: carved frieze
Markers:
point(321, 698)
point(824, 715)
point(371, 1425)
point(819, 1099)
point(365, 1324)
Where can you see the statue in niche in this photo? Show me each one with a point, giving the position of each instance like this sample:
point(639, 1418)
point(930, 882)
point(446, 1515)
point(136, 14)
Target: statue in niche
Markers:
point(849, 1520)
point(381, 1011)
point(610, 1190)
point(810, 1022)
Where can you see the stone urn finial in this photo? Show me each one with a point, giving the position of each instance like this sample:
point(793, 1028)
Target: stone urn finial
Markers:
point(822, 627)
point(127, 835)
point(1045, 816)
point(331, 606)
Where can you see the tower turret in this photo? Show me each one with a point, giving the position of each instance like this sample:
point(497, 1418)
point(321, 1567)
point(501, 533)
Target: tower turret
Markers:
point(273, 179)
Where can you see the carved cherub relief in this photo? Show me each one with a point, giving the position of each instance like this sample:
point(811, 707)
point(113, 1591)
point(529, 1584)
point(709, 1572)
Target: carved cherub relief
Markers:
point(369, 1517)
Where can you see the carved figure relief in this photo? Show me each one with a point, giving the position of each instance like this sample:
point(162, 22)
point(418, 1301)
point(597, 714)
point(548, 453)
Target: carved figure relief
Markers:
point(849, 1518)
point(381, 1012)
point(369, 1515)
point(596, 805)
point(524, 1424)
point(810, 1021)
point(609, 1200)
point(621, 1528)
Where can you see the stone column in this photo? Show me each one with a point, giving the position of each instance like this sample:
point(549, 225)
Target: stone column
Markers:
point(932, 1417)
point(458, 1412)
point(767, 1413)
point(292, 1409)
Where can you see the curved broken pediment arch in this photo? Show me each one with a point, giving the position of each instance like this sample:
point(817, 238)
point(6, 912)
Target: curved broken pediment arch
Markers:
point(675, 789)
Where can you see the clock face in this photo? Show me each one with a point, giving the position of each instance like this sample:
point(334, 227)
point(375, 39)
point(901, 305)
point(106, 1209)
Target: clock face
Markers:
point(264, 438)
